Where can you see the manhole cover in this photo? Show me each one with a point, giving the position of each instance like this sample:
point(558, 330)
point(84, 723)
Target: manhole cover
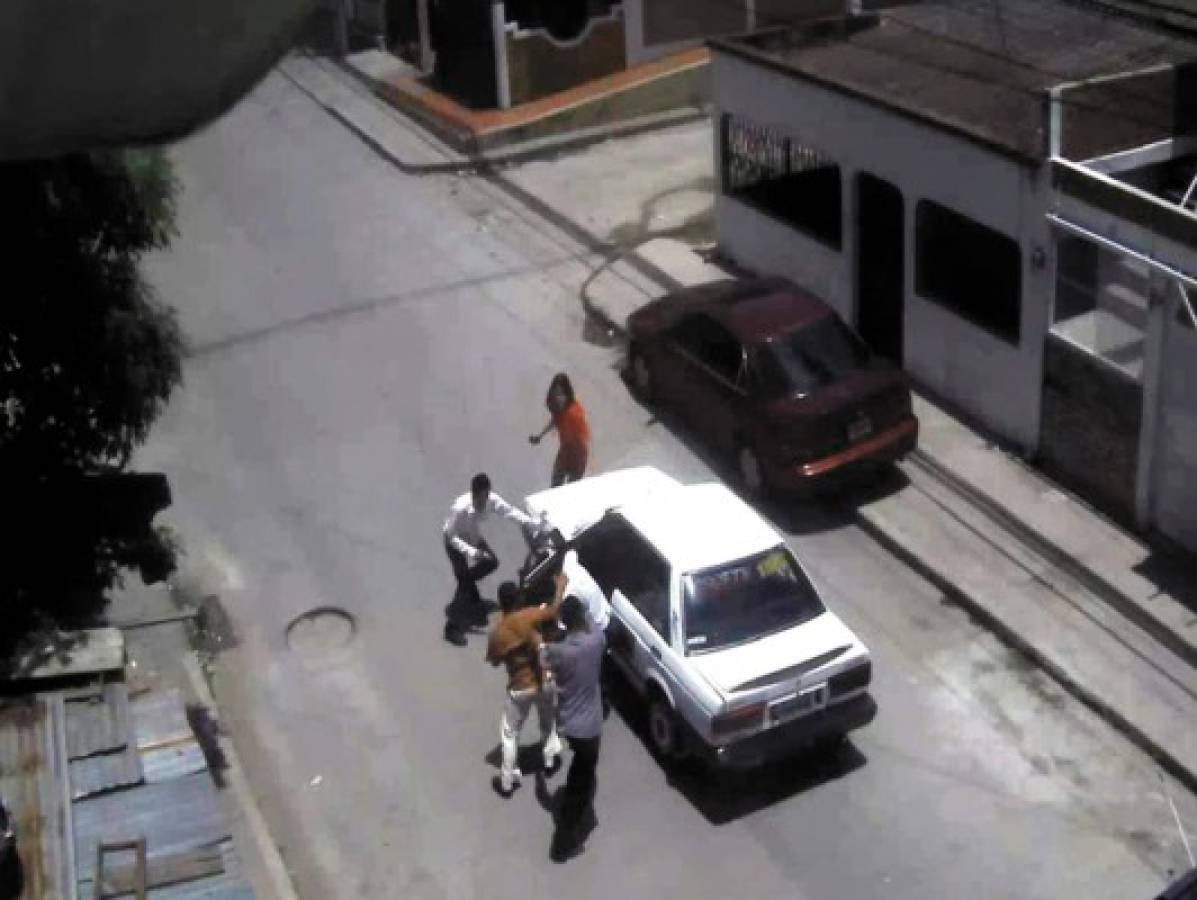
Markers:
point(321, 631)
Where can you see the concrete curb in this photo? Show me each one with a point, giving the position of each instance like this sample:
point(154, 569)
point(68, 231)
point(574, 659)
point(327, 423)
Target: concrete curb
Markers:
point(1012, 638)
point(1059, 557)
point(281, 886)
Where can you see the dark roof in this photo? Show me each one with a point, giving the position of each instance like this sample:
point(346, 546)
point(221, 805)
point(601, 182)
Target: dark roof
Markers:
point(977, 67)
point(771, 308)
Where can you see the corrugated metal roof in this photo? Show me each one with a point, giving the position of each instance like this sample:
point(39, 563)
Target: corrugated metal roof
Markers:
point(173, 762)
point(105, 772)
point(173, 816)
point(98, 724)
point(229, 884)
point(160, 719)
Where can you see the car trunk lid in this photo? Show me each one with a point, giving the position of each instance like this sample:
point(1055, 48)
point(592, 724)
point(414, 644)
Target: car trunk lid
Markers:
point(781, 659)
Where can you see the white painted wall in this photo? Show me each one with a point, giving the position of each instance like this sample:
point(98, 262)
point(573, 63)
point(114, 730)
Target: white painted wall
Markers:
point(998, 383)
point(1175, 487)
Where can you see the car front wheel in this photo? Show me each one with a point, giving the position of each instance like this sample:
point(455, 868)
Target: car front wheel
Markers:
point(641, 374)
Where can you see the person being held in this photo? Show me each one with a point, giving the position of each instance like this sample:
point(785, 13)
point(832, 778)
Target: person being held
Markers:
point(469, 554)
point(576, 662)
point(579, 583)
point(515, 642)
point(573, 432)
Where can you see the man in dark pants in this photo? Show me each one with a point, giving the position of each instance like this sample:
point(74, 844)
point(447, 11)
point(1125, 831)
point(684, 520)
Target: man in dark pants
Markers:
point(470, 555)
point(576, 663)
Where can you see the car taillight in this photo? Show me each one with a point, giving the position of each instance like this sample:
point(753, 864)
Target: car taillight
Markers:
point(852, 679)
point(739, 719)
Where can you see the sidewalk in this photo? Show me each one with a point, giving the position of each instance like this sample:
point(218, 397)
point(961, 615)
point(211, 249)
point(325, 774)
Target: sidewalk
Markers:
point(1051, 578)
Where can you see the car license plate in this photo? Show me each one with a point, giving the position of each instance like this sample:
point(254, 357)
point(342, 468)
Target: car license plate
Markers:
point(799, 703)
point(859, 429)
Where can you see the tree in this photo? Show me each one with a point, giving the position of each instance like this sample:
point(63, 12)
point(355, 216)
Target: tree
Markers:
point(88, 359)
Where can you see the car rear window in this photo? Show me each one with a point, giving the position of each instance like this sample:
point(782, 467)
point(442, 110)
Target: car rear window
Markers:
point(819, 355)
point(745, 600)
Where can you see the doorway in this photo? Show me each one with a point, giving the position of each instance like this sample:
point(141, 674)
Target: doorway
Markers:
point(880, 265)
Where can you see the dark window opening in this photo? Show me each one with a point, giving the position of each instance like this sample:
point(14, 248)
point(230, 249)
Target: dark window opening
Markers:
point(617, 557)
point(709, 343)
point(970, 269)
point(783, 178)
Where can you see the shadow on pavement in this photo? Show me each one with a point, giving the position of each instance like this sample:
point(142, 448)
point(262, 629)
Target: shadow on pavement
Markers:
point(1173, 574)
point(470, 617)
point(725, 796)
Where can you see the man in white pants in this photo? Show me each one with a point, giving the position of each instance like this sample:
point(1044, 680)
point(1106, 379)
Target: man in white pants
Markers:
point(515, 641)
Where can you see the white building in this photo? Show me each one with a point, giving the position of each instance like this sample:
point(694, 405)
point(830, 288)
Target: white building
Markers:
point(990, 193)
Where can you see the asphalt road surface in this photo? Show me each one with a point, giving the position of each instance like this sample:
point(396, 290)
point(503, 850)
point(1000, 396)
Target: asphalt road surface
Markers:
point(363, 341)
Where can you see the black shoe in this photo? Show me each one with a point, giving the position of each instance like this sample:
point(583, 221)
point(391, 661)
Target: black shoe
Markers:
point(454, 635)
point(561, 852)
point(505, 793)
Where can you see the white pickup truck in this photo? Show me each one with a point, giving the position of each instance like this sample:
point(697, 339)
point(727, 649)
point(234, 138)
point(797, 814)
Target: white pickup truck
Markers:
point(713, 619)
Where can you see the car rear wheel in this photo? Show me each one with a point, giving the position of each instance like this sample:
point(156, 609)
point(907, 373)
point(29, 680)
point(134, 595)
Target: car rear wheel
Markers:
point(752, 476)
point(665, 730)
point(641, 374)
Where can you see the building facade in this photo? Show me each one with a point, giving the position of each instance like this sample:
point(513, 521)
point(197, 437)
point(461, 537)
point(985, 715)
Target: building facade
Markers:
point(912, 179)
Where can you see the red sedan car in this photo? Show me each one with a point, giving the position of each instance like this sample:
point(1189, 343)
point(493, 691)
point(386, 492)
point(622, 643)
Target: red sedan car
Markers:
point(774, 378)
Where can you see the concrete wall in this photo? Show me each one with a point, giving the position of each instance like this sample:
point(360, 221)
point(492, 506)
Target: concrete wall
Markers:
point(539, 65)
point(1175, 482)
point(995, 381)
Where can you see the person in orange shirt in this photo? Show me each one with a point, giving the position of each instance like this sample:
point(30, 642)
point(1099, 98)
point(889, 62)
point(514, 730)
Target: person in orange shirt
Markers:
point(573, 431)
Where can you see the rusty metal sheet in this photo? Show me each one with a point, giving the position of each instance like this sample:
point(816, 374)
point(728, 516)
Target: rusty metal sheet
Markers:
point(33, 779)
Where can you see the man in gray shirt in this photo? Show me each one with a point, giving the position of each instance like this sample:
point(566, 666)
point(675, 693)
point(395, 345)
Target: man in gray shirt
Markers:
point(576, 663)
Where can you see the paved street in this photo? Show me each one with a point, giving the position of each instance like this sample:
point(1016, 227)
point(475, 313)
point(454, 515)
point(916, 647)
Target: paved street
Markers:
point(364, 340)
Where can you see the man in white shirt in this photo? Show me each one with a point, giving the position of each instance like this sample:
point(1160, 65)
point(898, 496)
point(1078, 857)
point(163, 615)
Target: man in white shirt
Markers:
point(580, 584)
point(469, 554)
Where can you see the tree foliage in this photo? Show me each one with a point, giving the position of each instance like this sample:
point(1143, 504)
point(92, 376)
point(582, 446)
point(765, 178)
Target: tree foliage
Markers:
point(88, 355)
